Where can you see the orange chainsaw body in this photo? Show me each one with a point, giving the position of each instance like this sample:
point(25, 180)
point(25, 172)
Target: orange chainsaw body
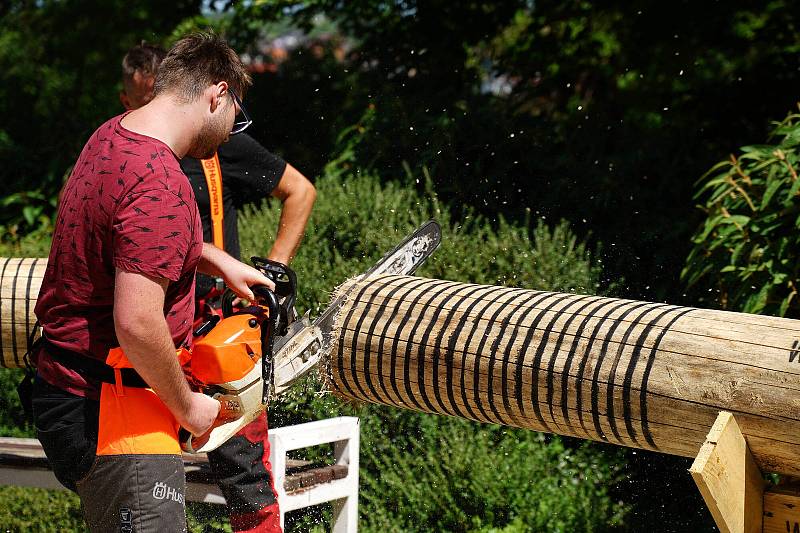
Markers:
point(229, 351)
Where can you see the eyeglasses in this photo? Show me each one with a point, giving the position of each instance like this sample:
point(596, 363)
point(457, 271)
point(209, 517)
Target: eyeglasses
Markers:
point(240, 125)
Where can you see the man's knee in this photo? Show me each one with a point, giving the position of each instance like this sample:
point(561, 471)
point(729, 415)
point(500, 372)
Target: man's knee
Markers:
point(139, 493)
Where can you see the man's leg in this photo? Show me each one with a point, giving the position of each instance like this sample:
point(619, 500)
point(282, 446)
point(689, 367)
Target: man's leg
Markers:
point(66, 425)
point(120, 455)
point(244, 475)
point(138, 493)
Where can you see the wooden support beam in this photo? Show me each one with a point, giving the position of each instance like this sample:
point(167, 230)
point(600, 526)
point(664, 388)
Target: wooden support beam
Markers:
point(782, 508)
point(728, 478)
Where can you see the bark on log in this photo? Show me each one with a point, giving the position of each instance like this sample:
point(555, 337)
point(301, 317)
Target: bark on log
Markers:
point(20, 280)
point(645, 375)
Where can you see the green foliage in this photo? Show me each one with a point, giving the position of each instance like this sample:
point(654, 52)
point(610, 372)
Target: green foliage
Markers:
point(746, 249)
point(591, 112)
point(32, 244)
point(42, 510)
point(358, 218)
point(13, 422)
point(599, 113)
point(444, 474)
point(60, 79)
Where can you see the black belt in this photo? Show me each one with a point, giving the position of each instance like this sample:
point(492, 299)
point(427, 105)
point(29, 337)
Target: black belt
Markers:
point(93, 368)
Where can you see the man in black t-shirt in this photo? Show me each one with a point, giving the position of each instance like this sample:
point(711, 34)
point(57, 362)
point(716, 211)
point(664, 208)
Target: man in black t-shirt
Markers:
point(249, 173)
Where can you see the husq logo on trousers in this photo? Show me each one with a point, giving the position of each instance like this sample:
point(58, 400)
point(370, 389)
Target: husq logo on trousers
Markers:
point(162, 492)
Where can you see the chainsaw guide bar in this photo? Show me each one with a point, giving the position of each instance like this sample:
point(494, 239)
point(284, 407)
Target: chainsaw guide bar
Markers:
point(302, 351)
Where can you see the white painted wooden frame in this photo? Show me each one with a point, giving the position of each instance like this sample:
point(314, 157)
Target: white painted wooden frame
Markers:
point(344, 433)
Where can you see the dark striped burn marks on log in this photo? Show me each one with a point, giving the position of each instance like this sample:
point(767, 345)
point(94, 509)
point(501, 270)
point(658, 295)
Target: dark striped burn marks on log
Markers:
point(467, 292)
point(551, 367)
point(523, 406)
point(371, 302)
point(409, 285)
point(584, 359)
point(391, 319)
point(511, 294)
point(28, 297)
point(421, 310)
point(464, 292)
point(3, 325)
point(402, 328)
point(536, 365)
point(519, 392)
point(20, 282)
point(488, 298)
point(446, 312)
point(488, 293)
point(604, 302)
point(353, 351)
point(518, 374)
point(14, 314)
point(627, 383)
point(646, 377)
point(348, 389)
point(633, 326)
point(595, 391)
point(521, 299)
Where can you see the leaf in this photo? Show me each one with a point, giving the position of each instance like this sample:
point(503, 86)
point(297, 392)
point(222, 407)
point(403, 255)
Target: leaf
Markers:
point(740, 220)
point(30, 213)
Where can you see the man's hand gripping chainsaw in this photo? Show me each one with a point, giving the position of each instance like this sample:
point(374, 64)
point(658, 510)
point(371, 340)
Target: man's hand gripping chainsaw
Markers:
point(264, 348)
point(232, 360)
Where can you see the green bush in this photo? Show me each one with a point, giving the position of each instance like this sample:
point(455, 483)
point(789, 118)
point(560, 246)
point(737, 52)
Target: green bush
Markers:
point(33, 244)
point(422, 472)
point(745, 252)
point(357, 220)
point(13, 422)
point(429, 473)
point(43, 510)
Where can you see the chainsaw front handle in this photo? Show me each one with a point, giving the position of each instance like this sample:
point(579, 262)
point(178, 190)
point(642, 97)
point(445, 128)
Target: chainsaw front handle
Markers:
point(268, 335)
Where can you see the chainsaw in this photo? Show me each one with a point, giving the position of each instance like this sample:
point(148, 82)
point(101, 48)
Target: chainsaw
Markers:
point(253, 353)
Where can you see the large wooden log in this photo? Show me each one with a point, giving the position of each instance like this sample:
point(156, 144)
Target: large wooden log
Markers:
point(645, 375)
point(20, 280)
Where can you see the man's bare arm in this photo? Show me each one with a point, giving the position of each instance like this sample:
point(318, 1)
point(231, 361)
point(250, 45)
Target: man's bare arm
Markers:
point(144, 336)
point(297, 195)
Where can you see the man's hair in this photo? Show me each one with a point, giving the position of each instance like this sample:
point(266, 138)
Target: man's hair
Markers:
point(197, 61)
point(144, 58)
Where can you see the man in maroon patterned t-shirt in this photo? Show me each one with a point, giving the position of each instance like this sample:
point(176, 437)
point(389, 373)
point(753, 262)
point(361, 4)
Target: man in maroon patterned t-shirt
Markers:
point(118, 297)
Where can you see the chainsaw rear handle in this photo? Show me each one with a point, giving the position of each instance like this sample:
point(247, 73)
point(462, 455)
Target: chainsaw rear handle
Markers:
point(230, 408)
point(266, 297)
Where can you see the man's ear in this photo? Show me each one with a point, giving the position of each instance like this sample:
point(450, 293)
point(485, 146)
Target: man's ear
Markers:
point(124, 100)
point(219, 92)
